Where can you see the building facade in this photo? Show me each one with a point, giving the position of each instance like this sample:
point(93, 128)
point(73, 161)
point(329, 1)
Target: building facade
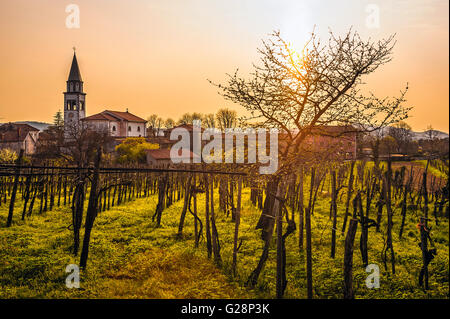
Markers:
point(117, 124)
point(15, 137)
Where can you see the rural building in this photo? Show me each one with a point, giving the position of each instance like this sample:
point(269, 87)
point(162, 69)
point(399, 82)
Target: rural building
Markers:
point(18, 136)
point(163, 142)
point(161, 157)
point(327, 141)
point(118, 124)
point(340, 141)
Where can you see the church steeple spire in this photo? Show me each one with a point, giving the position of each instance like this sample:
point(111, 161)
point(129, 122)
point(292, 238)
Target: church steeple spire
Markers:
point(74, 74)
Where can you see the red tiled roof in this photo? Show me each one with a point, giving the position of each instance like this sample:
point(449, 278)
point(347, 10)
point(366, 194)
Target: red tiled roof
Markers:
point(109, 115)
point(99, 117)
point(46, 136)
point(125, 115)
point(163, 154)
point(160, 140)
point(23, 126)
point(14, 132)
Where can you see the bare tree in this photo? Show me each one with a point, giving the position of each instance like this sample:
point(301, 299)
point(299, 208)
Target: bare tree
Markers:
point(189, 118)
point(169, 123)
point(388, 145)
point(209, 121)
point(321, 85)
point(431, 133)
point(401, 132)
point(76, 144)
point(226, 118)
point(155, 123)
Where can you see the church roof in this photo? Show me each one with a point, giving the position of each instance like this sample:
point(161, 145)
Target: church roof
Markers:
point(74, 74)
point(108, 115)
point(125, 116)
point(99, 117)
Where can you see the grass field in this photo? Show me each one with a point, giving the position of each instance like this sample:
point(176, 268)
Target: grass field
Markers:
point(130, 258)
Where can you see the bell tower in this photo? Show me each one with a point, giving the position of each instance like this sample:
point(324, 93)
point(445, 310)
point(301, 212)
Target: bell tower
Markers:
point(74, 97)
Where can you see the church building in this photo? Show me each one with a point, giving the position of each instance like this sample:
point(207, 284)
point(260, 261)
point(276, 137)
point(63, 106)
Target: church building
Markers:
point(117, 124)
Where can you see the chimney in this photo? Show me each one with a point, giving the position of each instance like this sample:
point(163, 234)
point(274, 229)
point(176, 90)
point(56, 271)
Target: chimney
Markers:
point(127, 110)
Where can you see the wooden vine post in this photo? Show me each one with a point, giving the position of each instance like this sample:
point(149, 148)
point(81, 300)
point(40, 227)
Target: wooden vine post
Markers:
point(348, 259)
point(237, 221)
point(14, 190)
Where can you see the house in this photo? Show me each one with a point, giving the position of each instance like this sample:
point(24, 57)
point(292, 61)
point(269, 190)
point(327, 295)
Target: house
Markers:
point(17, 136)
point(118, 124)
point(161, 157)
point(339, 141)
point(326, 141)
point(163, 142)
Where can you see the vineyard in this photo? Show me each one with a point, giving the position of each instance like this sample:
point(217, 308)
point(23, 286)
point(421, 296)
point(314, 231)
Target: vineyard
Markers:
point(207, 232)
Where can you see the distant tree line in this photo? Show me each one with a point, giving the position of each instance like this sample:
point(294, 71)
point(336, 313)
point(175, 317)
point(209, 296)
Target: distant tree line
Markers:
point(398, 139)
point(223, 118)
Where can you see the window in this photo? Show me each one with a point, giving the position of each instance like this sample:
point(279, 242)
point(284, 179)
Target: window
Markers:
point(114, 128)
point(139, 129)
point(129, 128)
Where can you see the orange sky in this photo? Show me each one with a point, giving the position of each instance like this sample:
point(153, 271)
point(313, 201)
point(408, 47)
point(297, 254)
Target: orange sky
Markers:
point(156, 56)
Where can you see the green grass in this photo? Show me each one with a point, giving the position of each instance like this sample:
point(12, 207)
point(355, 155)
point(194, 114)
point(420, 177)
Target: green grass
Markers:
point(130, 258)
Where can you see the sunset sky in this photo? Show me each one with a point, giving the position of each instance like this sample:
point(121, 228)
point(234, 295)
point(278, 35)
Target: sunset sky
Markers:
point(156, 56)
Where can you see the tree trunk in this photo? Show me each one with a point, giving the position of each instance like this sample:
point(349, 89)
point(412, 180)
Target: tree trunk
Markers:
point(207, 221)
point(387, 197)
point(349, 194)
point(308, 239)
point(214, 233)
point(301, 210)
point(185, 206)
point(333, 213)
point(279, 222)
point(91, 211)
